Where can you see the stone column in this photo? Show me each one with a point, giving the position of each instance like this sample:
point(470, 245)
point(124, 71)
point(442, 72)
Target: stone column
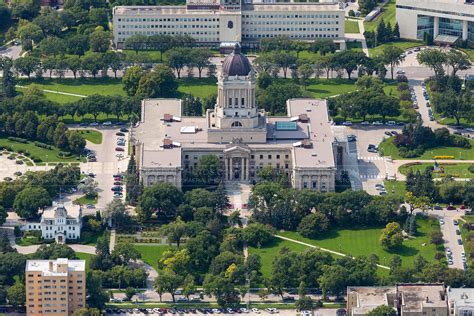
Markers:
point(231, 171)
point(226, 165)
point(242, 169)
point(247, 165)
point(464, 30)
point(435, 27)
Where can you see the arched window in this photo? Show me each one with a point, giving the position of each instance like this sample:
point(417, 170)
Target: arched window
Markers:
point(230, 25)
point(236, 124)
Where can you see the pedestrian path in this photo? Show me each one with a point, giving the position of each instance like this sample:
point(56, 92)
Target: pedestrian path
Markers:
point(57, 92)
point(323, 249)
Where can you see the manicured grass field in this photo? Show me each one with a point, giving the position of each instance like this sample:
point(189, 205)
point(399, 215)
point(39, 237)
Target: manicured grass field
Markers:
point(394, 187)
point(81, 86)
point(460, 170)
point(85, 256)
point(401, 44)
point(357, 46)
point(323, 88)
point(365, 241)
point(351, 26)
point(268, 253)
point(93, 136)
point(388, 15)
point(46, 155)
point(151, 253)
point(90, 238)
point(84, 200)
point(201, 88)
point(470, 52)
point(389, 149)
point(61, 98)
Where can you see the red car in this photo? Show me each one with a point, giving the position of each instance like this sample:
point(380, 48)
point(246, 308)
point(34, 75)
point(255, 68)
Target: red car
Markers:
point(119, 149)
point(450, 208)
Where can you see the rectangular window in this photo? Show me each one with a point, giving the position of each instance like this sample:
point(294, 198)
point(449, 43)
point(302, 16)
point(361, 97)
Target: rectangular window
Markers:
point(243, 101)
point(230, 101)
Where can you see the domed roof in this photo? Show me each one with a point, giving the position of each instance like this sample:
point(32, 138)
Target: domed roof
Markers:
point(236, 64)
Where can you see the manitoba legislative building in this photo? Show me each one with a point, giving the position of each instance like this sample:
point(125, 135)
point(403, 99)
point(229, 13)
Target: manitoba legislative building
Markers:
point(213, 23)
point(303, 144)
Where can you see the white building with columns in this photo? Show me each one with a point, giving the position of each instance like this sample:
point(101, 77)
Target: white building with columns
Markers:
point(241, 135)
point(445, 20)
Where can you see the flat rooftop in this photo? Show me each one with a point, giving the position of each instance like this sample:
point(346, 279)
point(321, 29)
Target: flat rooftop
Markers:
point(191, 133)
point(416, 296)
point(44, 266)
point(461, 296)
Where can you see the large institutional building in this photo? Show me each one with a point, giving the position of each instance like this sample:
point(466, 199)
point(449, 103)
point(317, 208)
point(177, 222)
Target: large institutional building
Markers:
point(213, 22)
point(58, 224)
point(244, 138)
point(445, 20)
point(55, 287)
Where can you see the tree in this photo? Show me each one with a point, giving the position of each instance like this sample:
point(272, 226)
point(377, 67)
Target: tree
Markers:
point(99, 41)
point(416, 202)
point(453, 105)
point(88, 187)
point(458, 61)
point(129, 293)
point(396, 32)
point(76, 142)
point(123, 253)
point(161, 82)
point(78, 44)
point(382, 310)
point(16, 294)
point(92, 63)
point(436, 238)
point(200, 59)
point(5, 16)
point(52, 45)
point(393, 56)
point(74, 65)
point(313, 225)
point(334, 279)
point(160, 197)
point(30, 32)
point(192, 106)
point(116, 215)
point(167, 282)
point(434, 59)
point(386, 106)
point(365, 6)
point(98, 17)
point(177, 58)
point(26, 65)
point(348, 60)
point(208, 170)
point(54, 251)
point(305, 73)
point(188, 285)
point(284, 60)
point(273, 99)
point(136, 42)
point(96, 296)
point(131, 78)
point(8, 81)
point(30, 200)
point(323, 46)
point(223, 289)
point(175, 231)
point(391, 236)
point(161, 42)
point(257, 235)
point(87, 312)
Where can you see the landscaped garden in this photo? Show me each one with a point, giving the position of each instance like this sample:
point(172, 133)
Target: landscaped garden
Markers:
point(388, 148)
point(396, 188)
point(85, 200)
point(456, 170)
point(365, 241)
point(35, 152)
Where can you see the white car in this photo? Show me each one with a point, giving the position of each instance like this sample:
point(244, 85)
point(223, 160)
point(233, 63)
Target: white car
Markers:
point(272, 310)
point(377, 123)
point(306, 313)
point(244, 310)
point(400, 72)
point(255, 310)
point(347, 123)
point(108, 123)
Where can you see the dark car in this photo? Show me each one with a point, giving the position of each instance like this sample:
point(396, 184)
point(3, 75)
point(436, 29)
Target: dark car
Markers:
point(388, 133)
point(117, 183)
point(118, 175)
point(119, 134)
point(123, 130)
point(119, 149)
point(458, 232)
point(117, 188)
point(459, 242)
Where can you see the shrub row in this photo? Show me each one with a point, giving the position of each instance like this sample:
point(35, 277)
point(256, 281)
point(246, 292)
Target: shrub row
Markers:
point(43, 145)
point(18, 140)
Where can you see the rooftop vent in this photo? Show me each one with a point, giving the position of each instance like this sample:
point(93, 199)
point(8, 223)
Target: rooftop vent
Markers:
point(170, 118)
point(303, 118)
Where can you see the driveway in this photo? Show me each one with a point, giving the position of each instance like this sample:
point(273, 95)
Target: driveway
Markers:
point(449, 234)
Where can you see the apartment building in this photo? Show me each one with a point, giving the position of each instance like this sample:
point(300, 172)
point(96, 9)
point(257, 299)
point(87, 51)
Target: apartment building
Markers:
point(445, 20)
point(211, 22)
point(461, 301)
point(55, 287)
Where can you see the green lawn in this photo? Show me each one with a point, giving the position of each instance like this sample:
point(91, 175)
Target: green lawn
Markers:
point(151, 253)
point(201, 88)
point(46, 155)
point(394, 187)
point(388, 148)
point(93, 136)
point(85, 256)
point(323, 88)
point(470, 52)
point(460, 170)
point(90, 238)
point(401, 44)
point(365, 241)
point(357, 46)
point(351, 26)
point(60, 98)
point(388, 15)
point(269, 252)
point(84, 200)
point(82, 86)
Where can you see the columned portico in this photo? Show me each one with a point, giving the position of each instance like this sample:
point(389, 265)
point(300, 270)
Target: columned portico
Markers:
point(236, 161)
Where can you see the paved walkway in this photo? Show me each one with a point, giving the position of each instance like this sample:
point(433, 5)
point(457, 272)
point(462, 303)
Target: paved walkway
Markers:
point(26, 250)
point(322, 249)
point(359, 37)
point(112, 239)
point(58, 92)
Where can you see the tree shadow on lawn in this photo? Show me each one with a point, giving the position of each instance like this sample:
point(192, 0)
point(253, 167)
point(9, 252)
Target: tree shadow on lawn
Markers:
point(72, 82)
point(404, 251)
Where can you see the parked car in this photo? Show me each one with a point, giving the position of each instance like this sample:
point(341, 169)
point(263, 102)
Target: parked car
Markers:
point(347, 123)
point(458, 232)
point(108, 123)
point(351, 138)
point(388, 133)
point(123, 130)
point(459, 242)
point(365, 123)
point(455, 222)
point(377, 123)
point(94, 124)
point(119, 149)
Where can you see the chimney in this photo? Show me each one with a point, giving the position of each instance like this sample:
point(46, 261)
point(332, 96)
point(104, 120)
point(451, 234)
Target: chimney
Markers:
point(51, 263)
point(427, 300)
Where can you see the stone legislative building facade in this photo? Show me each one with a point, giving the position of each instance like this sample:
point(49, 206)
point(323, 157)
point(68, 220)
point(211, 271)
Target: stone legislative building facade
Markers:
point(244, 138)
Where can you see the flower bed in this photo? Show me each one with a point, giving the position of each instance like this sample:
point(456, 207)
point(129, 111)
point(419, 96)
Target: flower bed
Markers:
point(443, 157)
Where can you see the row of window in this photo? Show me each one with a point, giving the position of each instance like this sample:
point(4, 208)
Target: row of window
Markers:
point(435, 11)
point(291, 29)
point(256, 36)
point(168, 26)
point(168, 20)
point(291, 16)
point(290, 22)
point(60, 228)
